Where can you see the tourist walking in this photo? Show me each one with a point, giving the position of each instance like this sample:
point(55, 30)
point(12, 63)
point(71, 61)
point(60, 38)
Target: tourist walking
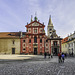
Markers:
point(49, 55)
point(62, 57)
point(45, 54)
point(59, 57)
point(72, 54)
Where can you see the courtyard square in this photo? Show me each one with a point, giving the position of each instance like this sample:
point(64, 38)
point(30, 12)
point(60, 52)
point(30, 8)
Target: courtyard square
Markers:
point(36, 65)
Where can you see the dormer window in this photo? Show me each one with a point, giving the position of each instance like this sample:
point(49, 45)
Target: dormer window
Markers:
point(50, 29)
point(9, 34)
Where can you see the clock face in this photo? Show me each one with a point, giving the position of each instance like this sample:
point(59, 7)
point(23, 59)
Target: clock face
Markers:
point(35, 24)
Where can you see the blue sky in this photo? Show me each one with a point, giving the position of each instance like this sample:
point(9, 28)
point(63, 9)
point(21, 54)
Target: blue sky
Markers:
point(14, 14)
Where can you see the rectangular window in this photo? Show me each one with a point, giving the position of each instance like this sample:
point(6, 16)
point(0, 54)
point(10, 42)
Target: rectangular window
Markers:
point(35, 39)
point(13, 42)
point(46, 40)
point(40, 40)
point(65, 45)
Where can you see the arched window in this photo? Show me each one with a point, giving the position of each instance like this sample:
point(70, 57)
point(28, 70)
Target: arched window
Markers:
point(35, 39)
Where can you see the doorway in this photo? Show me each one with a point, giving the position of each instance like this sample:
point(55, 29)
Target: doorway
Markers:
point(55, 51)
point(13, 50)
point(35, 51)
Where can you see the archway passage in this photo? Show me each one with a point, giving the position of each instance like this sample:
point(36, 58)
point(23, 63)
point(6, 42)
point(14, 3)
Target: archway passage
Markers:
point(35, 51)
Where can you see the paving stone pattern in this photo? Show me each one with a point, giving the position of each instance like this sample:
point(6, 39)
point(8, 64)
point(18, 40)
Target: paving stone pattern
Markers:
point(38, 66)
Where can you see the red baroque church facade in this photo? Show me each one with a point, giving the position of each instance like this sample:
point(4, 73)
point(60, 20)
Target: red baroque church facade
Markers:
point(36, 42)
point(33, 41)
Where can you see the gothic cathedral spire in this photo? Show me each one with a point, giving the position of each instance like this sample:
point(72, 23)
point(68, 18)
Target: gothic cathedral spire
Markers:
point(51, 32)
point(50, 21)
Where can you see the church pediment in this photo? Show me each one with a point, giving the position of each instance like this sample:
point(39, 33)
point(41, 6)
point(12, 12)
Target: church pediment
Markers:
point(35, 23)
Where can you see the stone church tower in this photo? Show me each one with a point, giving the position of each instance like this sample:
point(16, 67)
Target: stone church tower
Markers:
point(51, 32)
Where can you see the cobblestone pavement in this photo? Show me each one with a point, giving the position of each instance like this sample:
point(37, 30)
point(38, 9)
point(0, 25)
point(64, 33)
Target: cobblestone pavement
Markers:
point(38, 66)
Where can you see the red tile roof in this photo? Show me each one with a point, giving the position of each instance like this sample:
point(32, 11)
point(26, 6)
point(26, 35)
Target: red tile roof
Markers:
point(65, 40)
point(10, 34)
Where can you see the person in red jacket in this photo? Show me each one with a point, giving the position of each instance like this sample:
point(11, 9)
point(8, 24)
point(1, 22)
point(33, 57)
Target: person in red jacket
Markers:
point(59, 57)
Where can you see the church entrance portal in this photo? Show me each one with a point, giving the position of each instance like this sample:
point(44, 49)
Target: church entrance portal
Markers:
point(55, 51)
point(35, 51)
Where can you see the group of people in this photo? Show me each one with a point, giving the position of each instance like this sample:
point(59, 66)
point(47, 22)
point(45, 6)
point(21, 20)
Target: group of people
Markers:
point(49, 55)
point(61, 57)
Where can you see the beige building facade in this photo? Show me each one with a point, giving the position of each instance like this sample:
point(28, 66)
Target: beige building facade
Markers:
point(9, 43)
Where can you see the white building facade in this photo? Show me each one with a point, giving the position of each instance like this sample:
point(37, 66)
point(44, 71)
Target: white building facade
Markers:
point(71, 43)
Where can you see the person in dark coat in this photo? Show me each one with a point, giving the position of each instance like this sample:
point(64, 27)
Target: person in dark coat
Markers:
point(49, 55)
point(45, 54)
point(72, 54)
